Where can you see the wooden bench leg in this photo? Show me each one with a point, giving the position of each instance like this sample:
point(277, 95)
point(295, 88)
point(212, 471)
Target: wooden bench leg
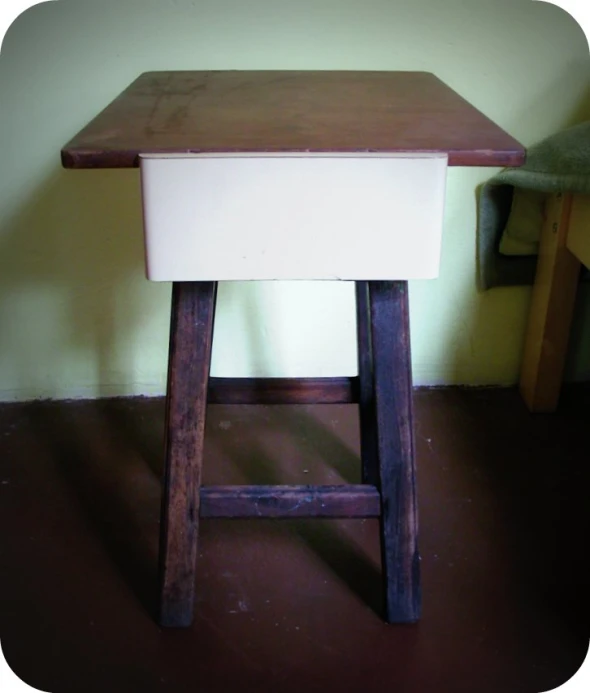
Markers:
point(551, 311)
point(368, 427)
point(397, 481)
point(191, 331)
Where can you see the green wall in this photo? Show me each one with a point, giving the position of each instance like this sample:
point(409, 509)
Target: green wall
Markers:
point(77, 317)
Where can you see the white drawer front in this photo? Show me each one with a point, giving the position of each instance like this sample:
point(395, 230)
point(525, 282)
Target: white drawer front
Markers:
point(305, 216)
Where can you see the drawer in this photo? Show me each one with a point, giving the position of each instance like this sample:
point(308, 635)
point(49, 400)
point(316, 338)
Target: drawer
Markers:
point(292, 216)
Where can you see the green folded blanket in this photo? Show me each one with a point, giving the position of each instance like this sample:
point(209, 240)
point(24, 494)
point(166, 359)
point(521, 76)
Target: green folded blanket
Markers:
point(510, 211)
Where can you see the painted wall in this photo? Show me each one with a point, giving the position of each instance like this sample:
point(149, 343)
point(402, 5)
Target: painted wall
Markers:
point(77, 317)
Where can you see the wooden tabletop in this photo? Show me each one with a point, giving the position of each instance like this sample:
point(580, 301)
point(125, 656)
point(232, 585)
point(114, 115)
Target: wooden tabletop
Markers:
point(294, 111)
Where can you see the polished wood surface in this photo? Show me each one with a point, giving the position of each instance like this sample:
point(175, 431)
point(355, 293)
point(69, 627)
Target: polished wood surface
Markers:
point(290, 111)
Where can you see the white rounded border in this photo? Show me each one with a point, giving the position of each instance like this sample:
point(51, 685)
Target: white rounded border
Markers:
point(579, 10)
point(9, 11)
point(11, 682)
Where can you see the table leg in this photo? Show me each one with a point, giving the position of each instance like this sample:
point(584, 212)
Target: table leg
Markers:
point(191, 330)
point(552, 308)
point(368, 428)
point(397, 481)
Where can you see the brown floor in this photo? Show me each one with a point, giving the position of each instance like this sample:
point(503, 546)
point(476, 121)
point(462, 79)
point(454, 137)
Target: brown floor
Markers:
point(293, 605)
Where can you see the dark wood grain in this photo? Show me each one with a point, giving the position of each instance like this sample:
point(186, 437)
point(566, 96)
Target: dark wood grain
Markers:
point(366, 399)
point(283, 390)
point(390, 334)
point(193, 307)
point(343, 501)
point(290, 111)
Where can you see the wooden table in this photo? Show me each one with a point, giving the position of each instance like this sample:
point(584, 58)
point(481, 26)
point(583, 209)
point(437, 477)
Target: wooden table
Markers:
point(292, 114)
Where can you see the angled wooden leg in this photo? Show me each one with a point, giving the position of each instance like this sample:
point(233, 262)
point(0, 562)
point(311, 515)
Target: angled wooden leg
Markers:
point(193, 307)
point(397, 481)
point(369, 458)
point(551, 311)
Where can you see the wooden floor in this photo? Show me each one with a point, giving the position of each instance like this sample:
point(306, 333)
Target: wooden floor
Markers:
point(293, 605)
